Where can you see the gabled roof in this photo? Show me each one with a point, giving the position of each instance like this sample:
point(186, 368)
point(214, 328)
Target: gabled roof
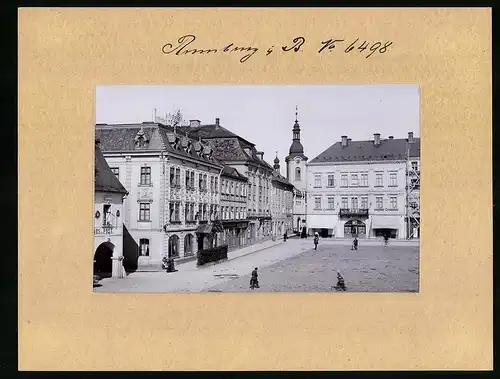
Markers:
point(388, 150)
point(104, 179)
point(233, 173)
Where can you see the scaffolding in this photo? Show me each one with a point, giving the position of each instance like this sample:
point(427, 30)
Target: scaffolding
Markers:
point(412, 194)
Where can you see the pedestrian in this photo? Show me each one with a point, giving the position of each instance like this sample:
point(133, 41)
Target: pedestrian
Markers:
point(340, 282)
point(386, 239)
point(254, 281)
point(355, 243)
point(285, 237)
point(316, 240)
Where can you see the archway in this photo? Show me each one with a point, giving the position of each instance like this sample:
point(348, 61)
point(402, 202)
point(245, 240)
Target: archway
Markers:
point(102, 259)
point(355, 228)
point(173, 246)
point(188, 244)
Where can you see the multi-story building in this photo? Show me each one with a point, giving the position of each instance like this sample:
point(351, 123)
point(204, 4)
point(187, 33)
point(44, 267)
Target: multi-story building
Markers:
point(108, 219)
point(282, 197)
point(242, 155)
point(173, 183)
point(233, 208)
point(296, 174)
point(359, 188)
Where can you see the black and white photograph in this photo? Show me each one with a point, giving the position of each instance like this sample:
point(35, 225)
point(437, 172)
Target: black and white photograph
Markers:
point(257, 188)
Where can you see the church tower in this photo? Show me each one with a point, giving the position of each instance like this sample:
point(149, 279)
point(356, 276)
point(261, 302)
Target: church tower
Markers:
point(296, 160)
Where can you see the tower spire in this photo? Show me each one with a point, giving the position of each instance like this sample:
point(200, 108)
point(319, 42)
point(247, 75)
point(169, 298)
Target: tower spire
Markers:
point(296, 113)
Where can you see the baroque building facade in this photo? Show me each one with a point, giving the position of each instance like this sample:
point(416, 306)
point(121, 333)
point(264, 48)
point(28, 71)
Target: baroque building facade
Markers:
point(173, 183)
point(359, 188)
point(242, 155)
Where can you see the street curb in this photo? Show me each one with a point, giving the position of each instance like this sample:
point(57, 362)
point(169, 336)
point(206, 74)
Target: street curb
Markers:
point(255, 251)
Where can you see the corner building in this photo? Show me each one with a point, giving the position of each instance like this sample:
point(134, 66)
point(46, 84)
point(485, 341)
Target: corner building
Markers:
point(359, 188)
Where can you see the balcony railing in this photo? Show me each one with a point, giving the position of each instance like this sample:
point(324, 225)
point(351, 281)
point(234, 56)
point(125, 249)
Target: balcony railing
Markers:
point(353, 213)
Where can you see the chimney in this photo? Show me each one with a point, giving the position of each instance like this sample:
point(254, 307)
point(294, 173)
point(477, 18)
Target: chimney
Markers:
point(260, 154)
point(391, 137)
point(217, 121)
point(376, 139)
point(410, 137)
point(344, 141)
point(194, 123)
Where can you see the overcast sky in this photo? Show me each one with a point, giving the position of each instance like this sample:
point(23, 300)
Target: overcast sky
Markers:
point(265, 115)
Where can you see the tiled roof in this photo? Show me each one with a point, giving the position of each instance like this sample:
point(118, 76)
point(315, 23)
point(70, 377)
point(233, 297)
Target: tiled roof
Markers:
point(104, 179)
point(122, 137)
point(281, 179)
point(233, 173)
point(228, 145)
point(389, 149)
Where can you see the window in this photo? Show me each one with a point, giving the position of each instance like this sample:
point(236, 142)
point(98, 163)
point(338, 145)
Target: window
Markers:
point(200, 181)
point(393, 179)
point(344, 203)
point(212, 183)
point(364, 202)
point(379, 202)
point(172, 176)
point(144, 247)
point(216, 185)
point(297, 174)
point(145, 175)
point(176, 212)
point(144, 211)
point(178, 176)
point(354, 203)
point(364, 180)
point(394, 202)
point(331, 203)
point(186, 212)
point(343, 180)
point(414, 166)
point(354, 180)
point(317, 202)
point(317, 180)
point(171, 211)
point(187, 179)
point(331, 181)
point(378, 179)
point(106, 212)
point(116, 171)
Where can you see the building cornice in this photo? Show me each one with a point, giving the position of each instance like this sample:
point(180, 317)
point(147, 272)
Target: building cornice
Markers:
point(351, 163)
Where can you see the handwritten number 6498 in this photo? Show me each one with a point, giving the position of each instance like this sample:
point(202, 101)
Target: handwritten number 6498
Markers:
point(373, 48)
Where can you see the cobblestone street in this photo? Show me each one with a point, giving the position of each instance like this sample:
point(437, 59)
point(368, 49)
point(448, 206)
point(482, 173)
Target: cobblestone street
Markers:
point(291, 267)
point(369, 269)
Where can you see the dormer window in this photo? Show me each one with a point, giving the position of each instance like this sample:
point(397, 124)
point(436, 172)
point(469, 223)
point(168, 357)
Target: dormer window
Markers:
point(141, 139)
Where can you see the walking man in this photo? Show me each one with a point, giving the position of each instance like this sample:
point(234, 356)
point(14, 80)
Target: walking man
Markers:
point(355, 244)
point(386, 239)
point(254, 281)
point(316, 240)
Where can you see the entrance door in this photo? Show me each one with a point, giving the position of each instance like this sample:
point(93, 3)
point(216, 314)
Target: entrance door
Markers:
point(102, 259)
point(355, 228)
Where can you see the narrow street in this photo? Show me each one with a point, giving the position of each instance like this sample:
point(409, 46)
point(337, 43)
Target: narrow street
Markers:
point(292, 266)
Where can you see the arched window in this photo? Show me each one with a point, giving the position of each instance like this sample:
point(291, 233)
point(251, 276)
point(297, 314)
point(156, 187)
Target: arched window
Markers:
point(188, 244)
point(173, 246)
point(297, 174)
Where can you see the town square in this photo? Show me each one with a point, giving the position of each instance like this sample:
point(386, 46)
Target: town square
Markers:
point(192, 205)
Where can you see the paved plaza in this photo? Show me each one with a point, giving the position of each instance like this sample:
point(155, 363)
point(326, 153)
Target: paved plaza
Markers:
point(292, 266)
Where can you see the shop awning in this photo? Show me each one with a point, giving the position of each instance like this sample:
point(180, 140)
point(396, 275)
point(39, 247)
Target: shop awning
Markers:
point(215, 227)
point(386, 222)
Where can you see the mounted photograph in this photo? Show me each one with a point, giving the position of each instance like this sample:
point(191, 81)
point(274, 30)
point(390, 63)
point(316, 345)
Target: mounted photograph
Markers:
point(257, 188)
